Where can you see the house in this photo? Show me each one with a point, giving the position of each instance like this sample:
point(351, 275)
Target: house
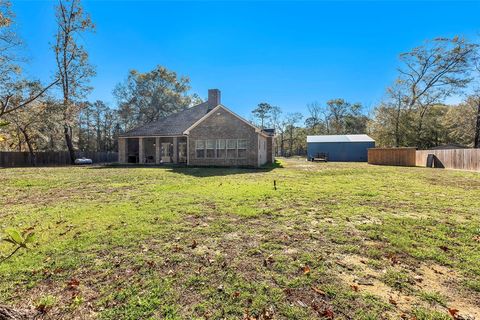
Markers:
point(208, 134)
point(348, 147)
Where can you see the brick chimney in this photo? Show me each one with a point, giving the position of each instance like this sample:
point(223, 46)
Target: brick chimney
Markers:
point(213, 98)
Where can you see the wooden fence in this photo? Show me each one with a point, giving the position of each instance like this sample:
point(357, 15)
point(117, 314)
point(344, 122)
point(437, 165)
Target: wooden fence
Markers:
point(52, 158)
point(392, 156)
point(463, 159)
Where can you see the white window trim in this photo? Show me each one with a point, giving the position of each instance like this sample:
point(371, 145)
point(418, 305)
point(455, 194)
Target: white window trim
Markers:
point(216, 148)
point(197, 148)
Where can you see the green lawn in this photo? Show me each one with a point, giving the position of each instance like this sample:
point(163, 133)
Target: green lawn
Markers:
point(334, 240)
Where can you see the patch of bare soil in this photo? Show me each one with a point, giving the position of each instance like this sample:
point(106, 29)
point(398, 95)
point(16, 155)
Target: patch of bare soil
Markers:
point(427, 278)
point(441, 279)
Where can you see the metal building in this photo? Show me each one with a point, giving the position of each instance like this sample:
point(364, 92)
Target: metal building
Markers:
point(348, 147)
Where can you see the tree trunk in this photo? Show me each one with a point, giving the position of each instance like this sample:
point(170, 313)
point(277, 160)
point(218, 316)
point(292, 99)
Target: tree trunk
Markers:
point(397, 128)
point(282, 145)
point(33, 158)
point(68, 139)
point(476, 143)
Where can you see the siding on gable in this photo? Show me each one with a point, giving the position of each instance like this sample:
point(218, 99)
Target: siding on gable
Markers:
point(223, 125)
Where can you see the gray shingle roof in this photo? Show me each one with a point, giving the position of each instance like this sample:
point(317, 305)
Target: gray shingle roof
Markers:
point(174, 124)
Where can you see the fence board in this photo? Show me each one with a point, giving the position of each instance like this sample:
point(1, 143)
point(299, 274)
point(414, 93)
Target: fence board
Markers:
point(463, 159)
point(53, 158)
point(392, 156)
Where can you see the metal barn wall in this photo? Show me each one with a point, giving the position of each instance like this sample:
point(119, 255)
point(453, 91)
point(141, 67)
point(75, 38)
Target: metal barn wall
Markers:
point(341, 151)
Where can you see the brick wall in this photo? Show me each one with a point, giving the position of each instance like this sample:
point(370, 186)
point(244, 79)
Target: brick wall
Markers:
point(223, 125)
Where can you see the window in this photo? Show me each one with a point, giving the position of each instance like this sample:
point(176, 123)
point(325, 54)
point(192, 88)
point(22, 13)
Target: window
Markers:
point(231, 149)
point(200, 148)
point(210, 148)
point(221, 149)
point(242, 149)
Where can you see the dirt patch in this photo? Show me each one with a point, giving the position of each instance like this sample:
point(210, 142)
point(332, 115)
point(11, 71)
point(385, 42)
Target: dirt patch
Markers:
point(427, 278)
point(436, 278)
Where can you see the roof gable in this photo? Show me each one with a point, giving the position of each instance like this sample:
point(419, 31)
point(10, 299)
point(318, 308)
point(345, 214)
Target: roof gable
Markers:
point(229, 111)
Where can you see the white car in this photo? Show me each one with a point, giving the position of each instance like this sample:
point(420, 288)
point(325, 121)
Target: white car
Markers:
point(83, 161)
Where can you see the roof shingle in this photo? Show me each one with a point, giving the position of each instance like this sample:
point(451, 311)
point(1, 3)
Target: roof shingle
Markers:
point(172, 125)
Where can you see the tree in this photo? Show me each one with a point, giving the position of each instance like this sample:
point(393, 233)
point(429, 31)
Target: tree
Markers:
point(98, 127)
point(476, 139)
point(15, 92)
point(27, 123)
point(275, 122)
point(460, 122)
point(432, 72)
point(291, 121)
point(475, 97)
point(314, 122)
point(31, 128)
point(73, 68)
point(262, 112)
point(147, 97)
point(344, 117)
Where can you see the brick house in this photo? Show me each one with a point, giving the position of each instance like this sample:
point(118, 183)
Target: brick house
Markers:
point(208, 134)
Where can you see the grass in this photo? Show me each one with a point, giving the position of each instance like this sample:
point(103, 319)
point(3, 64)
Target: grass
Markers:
point(433, 297)
point(334, 240)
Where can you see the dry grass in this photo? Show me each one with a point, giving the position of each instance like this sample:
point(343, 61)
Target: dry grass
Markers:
point(335, 240)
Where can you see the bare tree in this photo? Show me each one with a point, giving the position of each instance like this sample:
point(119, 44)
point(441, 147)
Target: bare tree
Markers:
point(15, 92)
point(275, 121)
point(476, 98)
point(73, 68)
point(476, 141)
point(434, 71)
point(314, 121)
point(291, 121)
point(30, 124)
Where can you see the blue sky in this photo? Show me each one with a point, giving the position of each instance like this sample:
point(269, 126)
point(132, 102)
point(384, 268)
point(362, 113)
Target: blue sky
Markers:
point(285, 53)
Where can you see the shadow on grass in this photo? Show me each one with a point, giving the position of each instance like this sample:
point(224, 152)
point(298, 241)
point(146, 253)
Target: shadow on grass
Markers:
point(207, 171)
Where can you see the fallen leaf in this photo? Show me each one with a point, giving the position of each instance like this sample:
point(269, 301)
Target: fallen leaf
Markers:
point(392, 301)
point(453, 312)
point(267, 261)
point(327, 313)
point(354, 287)
point(73, 283)
point(306, 269)
point(194, 244)
point(444, 248)
point(323, 293)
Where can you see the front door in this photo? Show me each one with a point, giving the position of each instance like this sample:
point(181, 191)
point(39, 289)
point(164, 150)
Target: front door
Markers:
point(182, 152)
point(166, 152)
